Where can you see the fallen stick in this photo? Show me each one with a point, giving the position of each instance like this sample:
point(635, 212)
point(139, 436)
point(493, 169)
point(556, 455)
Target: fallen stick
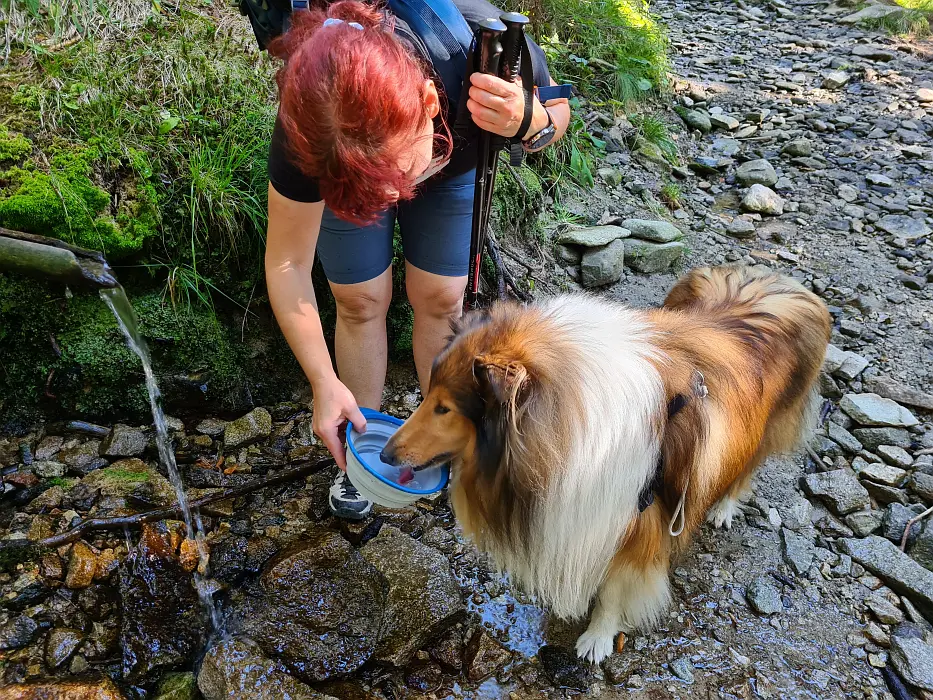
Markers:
point(910, 524)
point(166, 513)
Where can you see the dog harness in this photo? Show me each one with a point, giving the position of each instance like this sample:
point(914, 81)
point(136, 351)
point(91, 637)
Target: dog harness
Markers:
point(646, 497)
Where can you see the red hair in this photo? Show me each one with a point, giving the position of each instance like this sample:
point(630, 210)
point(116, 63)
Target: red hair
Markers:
point(349, 103)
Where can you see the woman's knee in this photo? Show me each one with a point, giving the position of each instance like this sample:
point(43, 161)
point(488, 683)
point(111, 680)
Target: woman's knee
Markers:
point(441, 301)
point(361, 306)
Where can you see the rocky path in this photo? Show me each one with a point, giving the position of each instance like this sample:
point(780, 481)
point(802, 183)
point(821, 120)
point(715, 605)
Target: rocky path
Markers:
point(809, 149)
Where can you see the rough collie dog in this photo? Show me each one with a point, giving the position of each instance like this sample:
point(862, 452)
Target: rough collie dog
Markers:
point(588, 440)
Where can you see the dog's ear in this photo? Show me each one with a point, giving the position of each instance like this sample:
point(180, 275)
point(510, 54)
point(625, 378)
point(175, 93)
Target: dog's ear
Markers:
point(508, 380)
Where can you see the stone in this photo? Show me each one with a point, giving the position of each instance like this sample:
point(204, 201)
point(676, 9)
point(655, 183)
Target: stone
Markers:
point(903, 226)
point(873, 438)
point(834, 79)
point(913, 659)
point(795, 512)
point(896, 456)
point(873, 13)
point(764, 597)
point(839, 489)
point(177, 686)
point(798, 148)
point(723, 121)
point(852, 366)
point(611, 176)
point(894, 522)
point(863, 523)
point(921, 551)
point(124, 441)
point(255, 425)
point(798, 551)
point(883, 609)
point(236, 668)
point(211, 426)
point(922, 485)
point(103, 689)
point(60, 645)
point(78, 458)
point(82, 564)
point(763, 200)
point(163, 625)
point(756, 172)
point(48, 447)
point(873, 410)
point(603, 265)
point(879, 180)
point(893, 566)
point(873, 53)
point(843, 438)
point(129, 478)
point(925, 95)
point(883, 495)
point(448, 649)
point(48, 469)
point(319, 608)
point(424, 596)
point(697, 120)
point(647, 257)
point(228, 559)
point(593, 236)
point(883, 474)
point(18, 632)
point(903, 394)
point(740, 227)
point(563, 668)
point(654, 231)
point(683, 669)
point(484, 656)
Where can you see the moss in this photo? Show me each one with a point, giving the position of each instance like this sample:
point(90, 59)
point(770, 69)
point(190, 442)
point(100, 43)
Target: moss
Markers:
point(13, 147)
point(517, 203)
point(125, 475)
point(64, 203)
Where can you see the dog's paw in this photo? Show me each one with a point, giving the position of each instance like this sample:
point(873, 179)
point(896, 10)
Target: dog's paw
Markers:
point(594, 646)
point(721, 514)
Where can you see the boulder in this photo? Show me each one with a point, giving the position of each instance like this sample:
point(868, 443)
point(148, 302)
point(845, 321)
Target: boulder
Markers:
point(764, 597)
point(763, 200)
point(756, 172)
point(593, 236)
point(104, 689)
point(798, 551)
point(124, 441)
point(654, 231)
point(647, 257)
point(873, 438)
point(903, 226)
point(255, 425)
point(319, 609)
point(18, 632)
point(913, 659)
point(424, 597)
point(177, 686)
point(603, 265)
point(873, 410)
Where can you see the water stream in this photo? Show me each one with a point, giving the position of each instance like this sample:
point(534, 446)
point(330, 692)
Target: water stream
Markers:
point(119, 304)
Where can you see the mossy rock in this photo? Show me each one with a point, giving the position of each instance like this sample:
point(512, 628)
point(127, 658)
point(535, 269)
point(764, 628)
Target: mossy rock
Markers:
point(13, 147)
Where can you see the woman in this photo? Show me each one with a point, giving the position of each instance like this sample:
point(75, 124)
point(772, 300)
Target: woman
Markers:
point(363, 138)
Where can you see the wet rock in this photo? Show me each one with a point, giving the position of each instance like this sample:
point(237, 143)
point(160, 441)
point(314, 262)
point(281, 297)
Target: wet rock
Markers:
point(839, 489)
point(603, 265)
point(124, 441)
point(79, 457)
point(763, 200)
point(484, 656)
point(254, 426)
point(211, 426)
point(798, 551)
point(424, 678)
point(448, 649)
point(228, 559)
point(895, 568)
point(764, 597)
point(903, 226)
point(124, 479)
point(913, 659)
point(82, 564)
point(320, 608)
point(873, 410)
point(593, 236)
point(177, 686)
point(28, 589)
point(163, 625)
point(236, 668)
point(643, 256)
point(103, 689)
point(872, 438)
point(61, 643)
point(756, 172)
point(18, 632)
point(424, 597)
point(654, 231)
point(563, 667)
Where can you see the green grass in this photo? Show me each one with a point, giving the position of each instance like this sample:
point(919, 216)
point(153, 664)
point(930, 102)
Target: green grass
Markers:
point(916, 22)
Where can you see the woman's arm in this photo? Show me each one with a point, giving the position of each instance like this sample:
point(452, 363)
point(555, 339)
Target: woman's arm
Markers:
point(290, 243)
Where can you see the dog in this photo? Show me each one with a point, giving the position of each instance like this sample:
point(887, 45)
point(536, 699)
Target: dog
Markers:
point(588, 440)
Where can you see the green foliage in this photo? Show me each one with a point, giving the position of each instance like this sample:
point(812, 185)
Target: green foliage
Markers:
point(916, 22)
point(655, 131)
point(608, 48)
point(517, 200)
point(13, 147)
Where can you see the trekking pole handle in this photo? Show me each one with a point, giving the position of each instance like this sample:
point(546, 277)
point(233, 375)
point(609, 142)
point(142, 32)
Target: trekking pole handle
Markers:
point(512, 45)
point(490, 29)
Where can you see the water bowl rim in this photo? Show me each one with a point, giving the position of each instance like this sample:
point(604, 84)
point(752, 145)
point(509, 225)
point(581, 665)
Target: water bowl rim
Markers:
point(371, 415)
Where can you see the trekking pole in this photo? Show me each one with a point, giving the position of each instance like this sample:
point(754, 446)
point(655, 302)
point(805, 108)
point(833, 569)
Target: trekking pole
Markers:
point(490, 50)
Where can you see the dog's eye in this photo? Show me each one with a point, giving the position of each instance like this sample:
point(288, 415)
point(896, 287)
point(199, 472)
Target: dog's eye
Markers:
point(441, 410)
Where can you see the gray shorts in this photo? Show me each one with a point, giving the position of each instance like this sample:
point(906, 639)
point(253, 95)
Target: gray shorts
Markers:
point(435, 228)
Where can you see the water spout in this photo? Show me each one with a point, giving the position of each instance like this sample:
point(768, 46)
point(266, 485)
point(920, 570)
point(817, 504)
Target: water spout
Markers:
point(38, 256)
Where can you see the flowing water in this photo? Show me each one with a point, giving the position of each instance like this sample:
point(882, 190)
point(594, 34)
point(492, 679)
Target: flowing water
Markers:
point(119, 304)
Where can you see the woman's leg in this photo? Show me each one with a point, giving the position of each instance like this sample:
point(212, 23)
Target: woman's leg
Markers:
point(360, 337)
point(436, 236)
point(436, 301)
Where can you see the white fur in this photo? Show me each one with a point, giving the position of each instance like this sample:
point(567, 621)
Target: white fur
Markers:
point(592, 500)
point(721, 514)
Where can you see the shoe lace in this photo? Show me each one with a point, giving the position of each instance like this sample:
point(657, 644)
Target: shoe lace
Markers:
point(347, 489)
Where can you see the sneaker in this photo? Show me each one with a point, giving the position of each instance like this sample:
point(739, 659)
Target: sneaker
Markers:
point(345, 501)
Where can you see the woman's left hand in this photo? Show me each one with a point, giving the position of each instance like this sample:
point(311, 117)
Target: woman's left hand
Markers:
point(498, 106)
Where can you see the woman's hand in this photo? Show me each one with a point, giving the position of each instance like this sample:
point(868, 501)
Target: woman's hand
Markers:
point(334, 405)
point(498, 106)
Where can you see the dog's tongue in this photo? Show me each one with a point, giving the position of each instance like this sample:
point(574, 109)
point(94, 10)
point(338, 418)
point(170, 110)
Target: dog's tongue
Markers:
point(407, 475)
